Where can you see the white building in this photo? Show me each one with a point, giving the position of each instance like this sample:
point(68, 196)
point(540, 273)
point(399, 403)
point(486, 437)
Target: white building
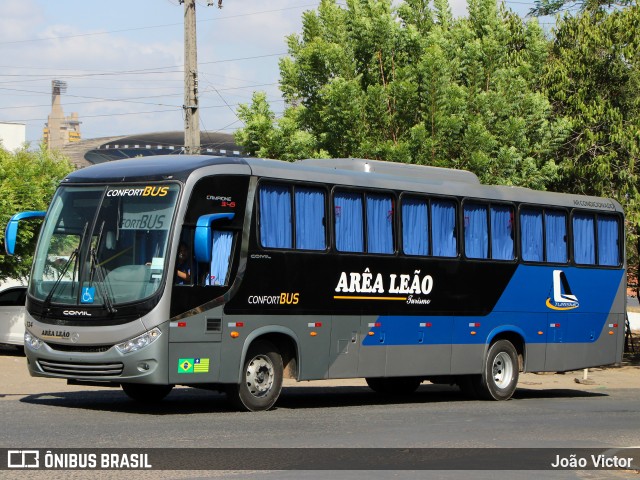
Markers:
point(12, 135)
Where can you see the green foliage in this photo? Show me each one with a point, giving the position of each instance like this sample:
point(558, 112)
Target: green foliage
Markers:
point(550, 7)
point(264, 136)
point(487, 93)
point(593, 79)
point(28, 180)
point(414, 85)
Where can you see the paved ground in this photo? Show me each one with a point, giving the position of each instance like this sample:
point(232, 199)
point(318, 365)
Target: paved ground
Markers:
point(16, 383)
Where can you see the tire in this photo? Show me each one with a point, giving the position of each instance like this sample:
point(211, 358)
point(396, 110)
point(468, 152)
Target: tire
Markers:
point(394, 385)
point(261, 382)
point(500, 374)
point(146, 393)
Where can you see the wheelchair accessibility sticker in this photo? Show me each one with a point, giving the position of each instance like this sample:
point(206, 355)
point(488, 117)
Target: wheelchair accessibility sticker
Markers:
point(88, 295)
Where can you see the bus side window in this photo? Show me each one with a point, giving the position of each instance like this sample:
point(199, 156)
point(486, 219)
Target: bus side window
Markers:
point(531, 237)
point(415, 226)
point(476, 231)
point(310, 215)
point(379, 223)
point(556, 236)
point(275, 216)
point(443, 228)
point(584, 242)
point(502, 232)
point(349, 222)
point(608, 244)
point(220, 259)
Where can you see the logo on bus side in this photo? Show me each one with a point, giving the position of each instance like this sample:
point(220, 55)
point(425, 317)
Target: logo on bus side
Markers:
point(285, 298)
point(149, 191)
point(560, 296)
point(403, 287)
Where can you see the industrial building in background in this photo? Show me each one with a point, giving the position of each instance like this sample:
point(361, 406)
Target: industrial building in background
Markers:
point(12, 135)
point(60, 130)
point(63, 134)
point(99, 150)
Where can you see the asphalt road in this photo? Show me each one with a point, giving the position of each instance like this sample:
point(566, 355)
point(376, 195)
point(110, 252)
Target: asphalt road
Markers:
point(547, 411)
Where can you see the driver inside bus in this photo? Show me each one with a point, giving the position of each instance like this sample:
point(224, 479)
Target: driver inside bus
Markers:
point(183, 268)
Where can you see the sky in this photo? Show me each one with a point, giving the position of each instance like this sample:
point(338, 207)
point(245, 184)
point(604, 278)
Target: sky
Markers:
point(123, 60)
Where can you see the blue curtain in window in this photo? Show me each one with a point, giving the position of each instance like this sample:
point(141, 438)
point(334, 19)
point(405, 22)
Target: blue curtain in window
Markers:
point(415, 226)
point(531, 235)
point(556, 236)
point(220, 258)
point(349, 222)
point(584, 245)
point(476, 237)
point(608, 240)
point(379, 224)
point(310, 229)
point(501, 233)
point(443, 228)
point(275, 216)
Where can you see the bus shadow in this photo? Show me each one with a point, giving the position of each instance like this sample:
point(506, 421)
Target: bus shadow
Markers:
point(11, 350)
point(179, 401)
point(189, 401)
point(327, 397)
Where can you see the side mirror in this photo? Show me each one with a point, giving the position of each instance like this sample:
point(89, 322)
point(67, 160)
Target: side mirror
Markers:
point(11, 232)
point(203, 236)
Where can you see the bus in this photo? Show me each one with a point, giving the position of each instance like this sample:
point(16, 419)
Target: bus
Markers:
point(317, 269)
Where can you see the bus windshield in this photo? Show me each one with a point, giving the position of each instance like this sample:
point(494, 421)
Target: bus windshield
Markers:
point(103, 245)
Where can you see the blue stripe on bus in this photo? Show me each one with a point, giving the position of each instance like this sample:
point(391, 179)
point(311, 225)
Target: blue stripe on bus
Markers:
point(522, 308)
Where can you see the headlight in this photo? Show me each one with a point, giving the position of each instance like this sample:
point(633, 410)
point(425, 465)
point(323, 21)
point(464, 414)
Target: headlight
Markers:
point(139, 342)
point(34, 343)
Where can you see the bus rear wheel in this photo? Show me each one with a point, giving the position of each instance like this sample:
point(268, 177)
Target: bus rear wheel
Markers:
point(394, 385)
point(499, 377)
point(261, 381)
point(146, 393)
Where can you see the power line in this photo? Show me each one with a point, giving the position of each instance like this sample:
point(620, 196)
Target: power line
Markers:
point(144, 112)
point(133, 29)
point(146, 71)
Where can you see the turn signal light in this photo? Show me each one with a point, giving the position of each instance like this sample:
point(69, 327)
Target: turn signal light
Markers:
point(234, 334)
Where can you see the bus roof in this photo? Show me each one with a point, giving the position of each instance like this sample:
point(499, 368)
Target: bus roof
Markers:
point(346, 171)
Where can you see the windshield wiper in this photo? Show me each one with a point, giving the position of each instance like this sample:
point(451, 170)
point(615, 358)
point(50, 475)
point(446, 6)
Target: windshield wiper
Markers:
point(63, 271)
point(65, 267)
point(99, 269)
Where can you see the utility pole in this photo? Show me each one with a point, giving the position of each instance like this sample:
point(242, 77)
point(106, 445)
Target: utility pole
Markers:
point(191, 114)
point(190, 107)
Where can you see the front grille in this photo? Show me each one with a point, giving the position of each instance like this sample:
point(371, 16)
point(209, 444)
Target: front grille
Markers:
point(81, 369)
point(79, 348)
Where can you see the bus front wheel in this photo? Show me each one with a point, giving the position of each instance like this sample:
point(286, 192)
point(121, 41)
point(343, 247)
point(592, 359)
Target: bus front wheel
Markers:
point(261, 381)
point(499, 377)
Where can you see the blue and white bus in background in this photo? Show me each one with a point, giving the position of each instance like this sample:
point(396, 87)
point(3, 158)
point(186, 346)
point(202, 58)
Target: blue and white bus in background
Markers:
point(317, 269)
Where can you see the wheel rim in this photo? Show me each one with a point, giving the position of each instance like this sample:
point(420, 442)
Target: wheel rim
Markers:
point(502, 370)
point(259, 376)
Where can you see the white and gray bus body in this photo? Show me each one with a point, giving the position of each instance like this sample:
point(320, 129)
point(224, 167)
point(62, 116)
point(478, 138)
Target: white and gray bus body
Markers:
point(319, 269)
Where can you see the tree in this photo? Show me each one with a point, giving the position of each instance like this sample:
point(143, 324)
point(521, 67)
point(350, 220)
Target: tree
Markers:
point(28, 180)
point(593, 79)
point(550, 7)
point(414, 85)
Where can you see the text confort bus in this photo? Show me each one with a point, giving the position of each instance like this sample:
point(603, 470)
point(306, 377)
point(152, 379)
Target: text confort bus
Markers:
point(318, 269)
